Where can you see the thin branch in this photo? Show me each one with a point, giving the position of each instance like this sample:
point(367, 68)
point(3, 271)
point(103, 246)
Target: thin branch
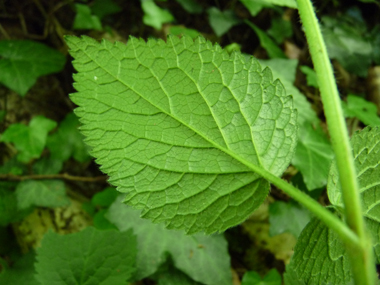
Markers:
point(64, 176)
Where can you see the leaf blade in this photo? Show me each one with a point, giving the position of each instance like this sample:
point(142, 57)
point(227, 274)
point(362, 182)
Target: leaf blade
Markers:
point(189, 118)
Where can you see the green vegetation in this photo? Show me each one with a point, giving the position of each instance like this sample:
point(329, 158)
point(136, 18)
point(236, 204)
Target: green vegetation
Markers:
point(222, 163)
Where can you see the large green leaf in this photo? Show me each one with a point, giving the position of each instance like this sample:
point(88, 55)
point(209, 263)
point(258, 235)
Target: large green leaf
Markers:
point(88, 257)
point(22, 62)
point(180, 126)
point(320, 256)
point(203, 258)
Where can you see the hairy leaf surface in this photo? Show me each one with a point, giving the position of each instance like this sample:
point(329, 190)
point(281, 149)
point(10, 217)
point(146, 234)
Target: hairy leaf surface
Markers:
point(180, 127)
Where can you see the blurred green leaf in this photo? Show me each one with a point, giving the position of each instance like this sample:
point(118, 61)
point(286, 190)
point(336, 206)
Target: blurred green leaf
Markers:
point(253, 278)
point(254, 7)
point(232, 47)
point(105, 198)
point(21, 272)
point(22, 62)
point(173, 276)
point(103, 8)
point(43, 193)
point(100, 221)
point(154, 16)
point(178, 30)
point(287, 217)
point(280, 29)
point(220, 21)
point(9, 212)
point(85, 20)
point(375, 38)
point(286, 3)
point(347, 41)
point(360, 108)
point(29, 140)
point(311, 76)
point(313, 155)
point(191, 6)
point(68, 141)
point(89, 208)
point(47, 165)
point(87, 257)
point(266, 42)
point(13, 166)
point(2, 115)
point(203, 258)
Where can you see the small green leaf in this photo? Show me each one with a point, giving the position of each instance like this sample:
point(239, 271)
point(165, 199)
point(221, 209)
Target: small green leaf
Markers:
point(203, 258)
point(47, 165)
point(103, 8)
point(68, 141)
point(266, 42)
point(287, 217)
point(22, 62)
point(21, 272)
point(255, 6)
point(104, 198)
point(9, 212)
point(181, 126)
point(100, 221)
point(178, 30)
point(253, 278)
point(362, 109)
point(311, 76)
point(43, 193)
point(232, 47)
point(85, 20)
point(313, 156)
point(220, 21)
point(88, 257)
point(280, 29)
point(191, 6)
point(154, 16)
point(29, 140)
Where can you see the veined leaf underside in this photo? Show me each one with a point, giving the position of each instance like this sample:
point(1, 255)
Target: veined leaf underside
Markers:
point(178, 126)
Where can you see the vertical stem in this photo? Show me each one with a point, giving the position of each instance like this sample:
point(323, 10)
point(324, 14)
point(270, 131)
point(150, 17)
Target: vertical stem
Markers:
point(362, 262)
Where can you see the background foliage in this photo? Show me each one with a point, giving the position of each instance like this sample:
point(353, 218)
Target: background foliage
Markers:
point(53, 197)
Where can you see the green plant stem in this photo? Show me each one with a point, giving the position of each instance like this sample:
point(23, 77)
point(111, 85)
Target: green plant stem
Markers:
point(362, 263)
point(332, 221)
